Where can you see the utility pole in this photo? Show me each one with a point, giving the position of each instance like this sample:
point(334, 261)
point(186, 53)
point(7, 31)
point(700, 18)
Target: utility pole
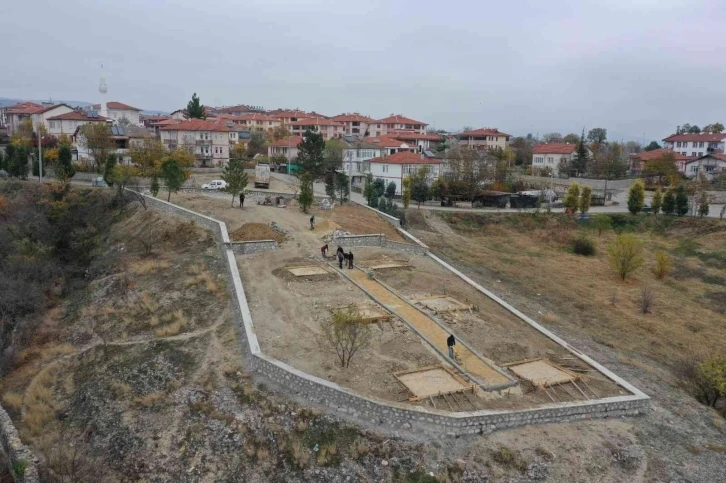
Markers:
point(40, 154)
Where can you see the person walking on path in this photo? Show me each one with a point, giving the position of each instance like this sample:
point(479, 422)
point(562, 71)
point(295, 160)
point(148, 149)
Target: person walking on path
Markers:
point(312, 222)
point(350, 260)
point(241, 199)
point(324, 250)
point(451, 342)
point(341, 255)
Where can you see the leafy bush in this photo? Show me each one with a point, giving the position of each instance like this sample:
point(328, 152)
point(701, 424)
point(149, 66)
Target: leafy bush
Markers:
point(705, 378)
point(626, 255)
point(583, 246)
point(663, 265)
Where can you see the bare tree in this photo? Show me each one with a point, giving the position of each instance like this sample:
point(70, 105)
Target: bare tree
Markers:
point(647, 297)
point(346, 333)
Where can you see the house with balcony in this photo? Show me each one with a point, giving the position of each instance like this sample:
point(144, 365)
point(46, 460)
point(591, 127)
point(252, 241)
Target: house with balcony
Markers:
point(696, 145)
point(484, 138)
point(289, 115)
point(553, 157)
point(209, 141)
point(328, 128)
point(68, 123)
point(285, 147)
point(254, 121)
point(639, 161)
point(354, 123)
point(709, 166)
point(18, 113)
point(422, 141)
point(356, 155)
point(389, 145)
point(396, 122)
point(395, 167)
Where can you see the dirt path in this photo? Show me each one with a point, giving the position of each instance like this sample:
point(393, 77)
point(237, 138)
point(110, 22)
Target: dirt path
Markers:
point(433, 332)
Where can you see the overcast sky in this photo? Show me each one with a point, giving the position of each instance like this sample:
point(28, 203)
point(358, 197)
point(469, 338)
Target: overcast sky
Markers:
point(635, 67)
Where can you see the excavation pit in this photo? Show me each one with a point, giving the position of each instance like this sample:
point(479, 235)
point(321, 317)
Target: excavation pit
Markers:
point(432, 381)
point(308, 270)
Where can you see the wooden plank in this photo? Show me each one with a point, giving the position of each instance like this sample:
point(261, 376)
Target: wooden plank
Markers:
point(468, 398)
point(578, 388)
point(591, 389)
point(548, 393)
point(432, 402)
point(419, 398)
point(447, 402)
point(419, 369)
point(523, 361)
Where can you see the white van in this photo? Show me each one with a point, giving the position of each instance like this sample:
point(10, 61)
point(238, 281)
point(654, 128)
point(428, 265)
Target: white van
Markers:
point(215, 184)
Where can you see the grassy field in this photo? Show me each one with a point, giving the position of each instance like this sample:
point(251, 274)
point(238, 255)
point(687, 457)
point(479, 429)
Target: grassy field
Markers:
point(533, 254)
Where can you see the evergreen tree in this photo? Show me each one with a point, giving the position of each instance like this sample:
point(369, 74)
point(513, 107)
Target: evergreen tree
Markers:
point(330, 185)
point(703, 204)
point(669, 202)
point(195, 110)
point(652, 146)
point(311, 155)
point(657, 202)
point(342, 186)
point(64, 169)
point(173, 175)
point(572, 199)
point(305, 198)
point(585, 199)
point(636, 197)
point(154, 188)
point(581, 160)
point(18, 161)
point(236, 178)
point(108, 169)
point(406, 192)
point(379, 188)
point(681, 200)
point(368, 189)
point(391, 190)
point(420, 192)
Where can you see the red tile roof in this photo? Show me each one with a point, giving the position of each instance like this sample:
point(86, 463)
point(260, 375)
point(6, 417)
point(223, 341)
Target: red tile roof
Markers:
point(120, 106)
point(229, 109)
point(167, 122)
point(405, 157)
point(314, 121)
point(25, 108)
point(55, 106)
point(76, 116)
point(288, 113)
point(385, 141)
point(290, 141)
point(399, 119)
point(196, 125)
point(149, 117)
point(657, 153)
point(485, 131)
point(354, 117)
point(696, 137)
point(252, 116)
point(719, 156)
point(412, 135)
point(555, 148)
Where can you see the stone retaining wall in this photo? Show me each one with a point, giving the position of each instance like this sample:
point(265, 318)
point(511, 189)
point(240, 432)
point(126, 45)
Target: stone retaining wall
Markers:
point(254, 246)
point(21, 462)
point(379, 240)
point(405, 247)
point(396, 417)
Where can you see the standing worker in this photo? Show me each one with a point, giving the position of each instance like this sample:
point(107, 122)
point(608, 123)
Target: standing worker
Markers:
point(350, 260)
point(241, 199)
point(312, 222)
point(324, 250)
point(451, 342)
point(341, 255)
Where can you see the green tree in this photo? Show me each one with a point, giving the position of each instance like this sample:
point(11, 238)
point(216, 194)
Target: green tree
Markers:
point(236, 178)
point(636, 197)
point(333, 155)
point(64, 169)
point(714, 128)
point(660, 168)
point(195, 110)
point(3, 164)
point(657, 201)
point(330, 185)
point(626, 254)
point(420, 191)
point(305, 198)
point(257, 144)
point(17, 160)
point(342, 186)
point(108, 168)
point(601, 223)
point(368, 191)
point(173, 175)
point(122, 176)
point(581, 159)
point(571, 138)
point(311, 155)
point(154, 188)
point(652, 146)
point(669, 202)
point(406, 192)
point(597, 135)
point(572, 199)
point(391, 190)
point(703, 204)
point(585, 199)
point(96, 137)
point(379, 187)
point(681, 200)
point(346, 334)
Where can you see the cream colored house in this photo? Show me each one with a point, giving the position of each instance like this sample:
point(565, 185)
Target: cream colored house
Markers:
point(485, 138)
point(208, 140)
point(118, 110)
point(328, 128)
point(395, 122)
point(553, 157)
point(68, 122)
point(354, 123)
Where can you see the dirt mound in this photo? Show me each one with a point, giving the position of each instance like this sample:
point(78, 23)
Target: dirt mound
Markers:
point(256, 231)
point(326, 226)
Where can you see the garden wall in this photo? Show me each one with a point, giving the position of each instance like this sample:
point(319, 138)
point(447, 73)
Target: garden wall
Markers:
point(21, 462)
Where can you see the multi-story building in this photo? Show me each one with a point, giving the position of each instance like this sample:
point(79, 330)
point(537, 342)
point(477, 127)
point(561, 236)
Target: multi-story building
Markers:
point(329, 129)
point(149, 121)
point(254, 121)
point(355, 124)
point(68, 123)
point(696, 144)
point(356, 155)
point(116, 111)
point(710, 166)
point(238, 110)
point(396, 122)
point(207, 140)
point(423, 141)
point(553, 157)
point(288, 116)
point(389, 145)
point(285, 147)
point(484, 138)
point(397, 166)
point(18, 113)
point(639, 161)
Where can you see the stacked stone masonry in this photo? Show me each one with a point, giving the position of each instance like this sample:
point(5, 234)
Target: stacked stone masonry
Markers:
point(309, 389)
point(379, 240)
point(246, 247)
point(22, 463)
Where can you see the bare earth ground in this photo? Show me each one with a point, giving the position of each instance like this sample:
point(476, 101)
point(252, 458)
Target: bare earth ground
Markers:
point(526, 263)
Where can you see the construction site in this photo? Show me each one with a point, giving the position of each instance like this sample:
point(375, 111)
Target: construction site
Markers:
point(412, 304)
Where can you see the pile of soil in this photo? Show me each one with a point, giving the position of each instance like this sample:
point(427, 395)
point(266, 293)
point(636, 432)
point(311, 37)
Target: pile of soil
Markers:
point(326, 226)
point(256, 231)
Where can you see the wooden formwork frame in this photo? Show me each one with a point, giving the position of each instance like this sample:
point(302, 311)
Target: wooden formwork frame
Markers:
point(367, 263)
point(575, 379)
point(308, 265)
point(468, 387)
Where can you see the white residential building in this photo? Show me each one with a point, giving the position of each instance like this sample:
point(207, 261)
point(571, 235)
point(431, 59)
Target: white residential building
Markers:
point(390, 145)
point(356, 157)
point(395, 122)
point(354, 124)
point(285, 147)
point(208, 140)
point(553, 157)
point(69, 122)
point(329, 129)
point(710, 165)
point(118, 110)
point(696, 144)
point(396, 167)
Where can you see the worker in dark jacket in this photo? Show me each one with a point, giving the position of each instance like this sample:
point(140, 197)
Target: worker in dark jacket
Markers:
point(241, 199)
point(350, 260)
point(324, 250)
point(312, 222)
point(341, 256)
point(451, 342)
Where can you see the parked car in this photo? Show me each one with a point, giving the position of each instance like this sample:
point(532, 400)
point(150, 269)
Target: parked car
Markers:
point(215, 184)
point(98, 181)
